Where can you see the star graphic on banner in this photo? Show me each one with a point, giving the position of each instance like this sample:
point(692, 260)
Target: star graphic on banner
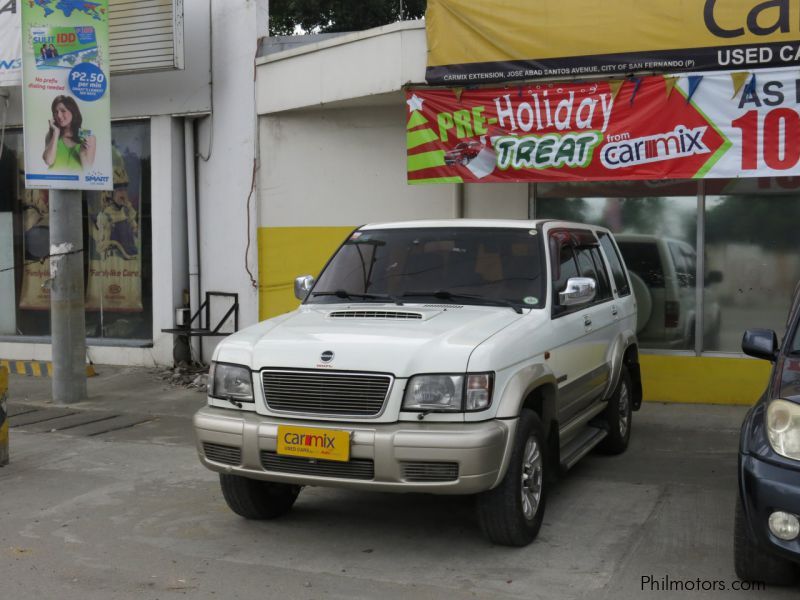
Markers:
point(414, 103)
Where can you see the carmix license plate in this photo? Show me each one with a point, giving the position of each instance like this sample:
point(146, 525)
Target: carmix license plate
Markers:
point(325, 444)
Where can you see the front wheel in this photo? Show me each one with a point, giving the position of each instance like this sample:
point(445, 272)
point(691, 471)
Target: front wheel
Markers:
point(511, 513)
point(253, 499)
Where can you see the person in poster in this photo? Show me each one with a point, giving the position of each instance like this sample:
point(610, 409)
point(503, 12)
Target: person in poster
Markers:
point(67, 146)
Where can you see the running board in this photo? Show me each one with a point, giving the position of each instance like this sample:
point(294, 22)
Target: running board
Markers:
point(580, 446)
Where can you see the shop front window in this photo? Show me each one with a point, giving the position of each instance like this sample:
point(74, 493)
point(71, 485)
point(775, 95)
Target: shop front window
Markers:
point(117, 258)
point(752, 257)
point(655, 225)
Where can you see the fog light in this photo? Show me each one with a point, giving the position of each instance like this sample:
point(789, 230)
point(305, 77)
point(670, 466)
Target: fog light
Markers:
point(784, 525)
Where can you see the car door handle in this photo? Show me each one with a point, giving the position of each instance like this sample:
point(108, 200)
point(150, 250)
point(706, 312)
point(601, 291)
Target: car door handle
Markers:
point(614, 310)
point(587, 321)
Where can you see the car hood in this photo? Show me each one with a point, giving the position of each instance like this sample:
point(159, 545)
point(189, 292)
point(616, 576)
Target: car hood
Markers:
point(402, 340)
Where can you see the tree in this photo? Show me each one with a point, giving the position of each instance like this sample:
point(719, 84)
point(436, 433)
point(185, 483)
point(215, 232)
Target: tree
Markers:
point(329, 16)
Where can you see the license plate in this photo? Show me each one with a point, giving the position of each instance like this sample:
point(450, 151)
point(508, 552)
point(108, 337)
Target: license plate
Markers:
point(325, 444)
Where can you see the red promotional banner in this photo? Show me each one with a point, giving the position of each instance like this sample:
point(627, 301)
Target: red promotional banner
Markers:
point(636, 129)
point(711, 126)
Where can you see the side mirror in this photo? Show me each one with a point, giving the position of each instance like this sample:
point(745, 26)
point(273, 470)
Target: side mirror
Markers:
point(302, 286)
point(579, 290)
point(760, 343)
point(713, 277)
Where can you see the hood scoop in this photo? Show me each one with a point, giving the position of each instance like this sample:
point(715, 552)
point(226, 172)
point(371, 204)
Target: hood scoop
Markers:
point(388, 315)
point(443, 306)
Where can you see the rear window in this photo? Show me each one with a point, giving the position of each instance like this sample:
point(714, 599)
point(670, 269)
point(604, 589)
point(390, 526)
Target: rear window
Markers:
point(642, 258)
point(617, 268)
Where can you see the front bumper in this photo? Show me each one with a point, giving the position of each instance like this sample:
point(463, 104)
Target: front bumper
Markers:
point(439, 458)
point(766, 488)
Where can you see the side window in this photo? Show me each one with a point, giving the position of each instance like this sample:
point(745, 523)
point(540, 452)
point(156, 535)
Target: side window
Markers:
point(564, 267)
point(603, 284)
point(617, 268)
point(588, 263)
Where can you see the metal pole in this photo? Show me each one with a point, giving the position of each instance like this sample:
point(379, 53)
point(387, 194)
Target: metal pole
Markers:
point(68, 320)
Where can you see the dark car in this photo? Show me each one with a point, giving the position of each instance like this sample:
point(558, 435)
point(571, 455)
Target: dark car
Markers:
point(767, 523)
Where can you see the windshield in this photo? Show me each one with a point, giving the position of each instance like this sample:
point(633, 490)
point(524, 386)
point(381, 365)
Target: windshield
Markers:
point(464, 265)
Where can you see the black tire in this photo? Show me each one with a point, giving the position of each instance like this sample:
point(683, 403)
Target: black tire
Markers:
point(754, 563)
point(619, 416)
point(253, 499)
point(502, 511)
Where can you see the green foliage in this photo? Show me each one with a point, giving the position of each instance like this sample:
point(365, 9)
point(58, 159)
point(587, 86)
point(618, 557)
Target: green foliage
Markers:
point(330, 16)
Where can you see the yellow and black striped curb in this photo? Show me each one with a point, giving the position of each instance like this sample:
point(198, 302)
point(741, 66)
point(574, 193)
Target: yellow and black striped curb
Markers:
point(36, 368)
point(3, 416)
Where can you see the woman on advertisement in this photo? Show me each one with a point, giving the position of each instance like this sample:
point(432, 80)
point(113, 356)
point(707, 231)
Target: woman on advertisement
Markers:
point(67, 147)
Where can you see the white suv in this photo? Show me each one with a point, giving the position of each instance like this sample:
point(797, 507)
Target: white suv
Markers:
point(447, 357)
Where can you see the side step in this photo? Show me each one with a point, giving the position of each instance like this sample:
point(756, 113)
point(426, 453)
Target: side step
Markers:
point(580, 446)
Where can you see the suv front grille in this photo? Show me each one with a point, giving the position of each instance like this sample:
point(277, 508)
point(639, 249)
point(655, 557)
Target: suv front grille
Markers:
point(326, 393)
point(227, 455)
point(355, 468)
point(430, 471)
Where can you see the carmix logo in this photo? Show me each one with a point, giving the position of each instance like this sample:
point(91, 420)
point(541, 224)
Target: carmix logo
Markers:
point(312, 441)
point(679, 143)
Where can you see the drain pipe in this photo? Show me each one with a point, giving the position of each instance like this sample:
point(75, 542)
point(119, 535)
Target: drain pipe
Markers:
point(191, 226)
point(458, 201)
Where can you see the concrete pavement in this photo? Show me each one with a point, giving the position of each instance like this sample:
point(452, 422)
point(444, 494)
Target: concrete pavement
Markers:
point(129, 513)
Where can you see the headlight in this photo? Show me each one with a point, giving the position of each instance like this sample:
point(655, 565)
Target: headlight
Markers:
point(446, 393)
point(783, 428)
point(230, 382)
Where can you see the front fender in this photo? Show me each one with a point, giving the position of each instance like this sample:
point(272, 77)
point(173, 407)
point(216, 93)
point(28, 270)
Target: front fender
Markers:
point(520, 386)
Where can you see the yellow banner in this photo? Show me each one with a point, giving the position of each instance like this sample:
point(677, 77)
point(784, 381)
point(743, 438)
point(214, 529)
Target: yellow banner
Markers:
point(495, 40)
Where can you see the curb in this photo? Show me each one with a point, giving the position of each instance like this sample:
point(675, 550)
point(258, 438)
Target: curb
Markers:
point(36, 368)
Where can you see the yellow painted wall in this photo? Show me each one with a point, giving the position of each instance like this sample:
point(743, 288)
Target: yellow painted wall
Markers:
point(287, 252)
point(703, 380)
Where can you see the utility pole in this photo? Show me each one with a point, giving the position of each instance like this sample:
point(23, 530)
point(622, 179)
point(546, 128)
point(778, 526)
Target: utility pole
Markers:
point(68, 320)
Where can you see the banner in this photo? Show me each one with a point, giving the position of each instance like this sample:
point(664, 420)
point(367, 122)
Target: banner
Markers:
point(66, 108)
point(699, 126)
point(502, 40)
point(10, 55)
point(115, 244)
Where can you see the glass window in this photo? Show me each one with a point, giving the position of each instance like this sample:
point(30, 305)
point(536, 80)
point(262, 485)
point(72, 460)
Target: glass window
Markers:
point(644, 217)
point(475, 265)
point(617, 270)
point(598, 268)
point(117, 268)
point(565, 268)
point(752, 261)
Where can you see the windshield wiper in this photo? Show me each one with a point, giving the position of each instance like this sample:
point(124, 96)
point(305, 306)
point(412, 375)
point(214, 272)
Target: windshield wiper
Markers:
point(350, 295)
point(445, 295)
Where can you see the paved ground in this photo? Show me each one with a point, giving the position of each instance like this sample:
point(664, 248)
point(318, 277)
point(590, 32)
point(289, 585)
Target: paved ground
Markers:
point(110, 502)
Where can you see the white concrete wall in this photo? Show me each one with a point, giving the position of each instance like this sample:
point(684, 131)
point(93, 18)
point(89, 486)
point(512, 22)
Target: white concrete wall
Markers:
point(229, 141)
point(496, 201)
point(354, 66)
point(341, 167)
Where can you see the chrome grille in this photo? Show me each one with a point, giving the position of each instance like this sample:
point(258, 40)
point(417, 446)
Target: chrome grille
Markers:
point(443, 306)
point(374, 314)
point(355, 468)
point(430, 471)
point(227, 455)
point(326, 392)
